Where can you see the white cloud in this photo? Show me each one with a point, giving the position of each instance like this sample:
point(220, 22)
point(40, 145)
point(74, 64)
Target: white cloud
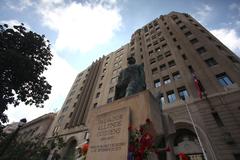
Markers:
point(229, 37)
point(21, 5)
point(61, 76)
point(81, 27)
point(202, 13)
point(234, 6)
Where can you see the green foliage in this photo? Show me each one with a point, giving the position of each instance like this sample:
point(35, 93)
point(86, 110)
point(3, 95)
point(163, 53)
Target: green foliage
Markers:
point(24, 56)
point(29, 150)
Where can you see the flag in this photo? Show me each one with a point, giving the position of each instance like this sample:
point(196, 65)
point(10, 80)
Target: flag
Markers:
point(199, 87)
point(198, 84)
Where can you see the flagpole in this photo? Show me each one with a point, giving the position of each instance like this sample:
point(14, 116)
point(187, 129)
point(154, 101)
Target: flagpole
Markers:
point(195, 129)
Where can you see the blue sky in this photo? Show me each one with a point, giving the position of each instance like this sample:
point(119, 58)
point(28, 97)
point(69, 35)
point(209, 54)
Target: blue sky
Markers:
point(81, 31)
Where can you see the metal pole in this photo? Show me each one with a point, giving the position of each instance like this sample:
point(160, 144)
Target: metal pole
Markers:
point(195, 129)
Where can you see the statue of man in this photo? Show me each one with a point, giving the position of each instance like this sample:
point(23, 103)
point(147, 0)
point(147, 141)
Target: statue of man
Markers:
point(131, 80)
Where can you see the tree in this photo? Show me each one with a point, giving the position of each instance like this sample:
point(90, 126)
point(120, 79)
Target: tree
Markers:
point(32, 149)
point(24, 56)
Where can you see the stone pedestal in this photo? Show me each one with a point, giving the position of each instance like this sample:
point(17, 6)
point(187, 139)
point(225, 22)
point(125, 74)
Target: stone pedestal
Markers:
point(108, 125)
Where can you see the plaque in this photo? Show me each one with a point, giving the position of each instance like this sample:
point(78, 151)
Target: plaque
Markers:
point(109, 135)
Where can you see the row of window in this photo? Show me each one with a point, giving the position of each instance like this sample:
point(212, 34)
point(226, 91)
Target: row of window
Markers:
point(171, 96)
point(163, 66)
point(166, 79)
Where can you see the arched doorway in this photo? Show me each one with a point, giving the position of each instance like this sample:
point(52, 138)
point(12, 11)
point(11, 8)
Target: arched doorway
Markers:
point(70, 150)
point(186, 142)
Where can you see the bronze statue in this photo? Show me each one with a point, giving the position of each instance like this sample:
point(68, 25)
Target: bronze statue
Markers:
point(131, 80)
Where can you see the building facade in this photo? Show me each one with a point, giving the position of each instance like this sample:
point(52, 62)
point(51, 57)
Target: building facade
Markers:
point(36, 129)
point(182, 60)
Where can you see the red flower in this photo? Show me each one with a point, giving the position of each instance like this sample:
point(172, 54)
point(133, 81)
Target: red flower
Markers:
point(148, 120)
point(183, 156)
point(146, 140)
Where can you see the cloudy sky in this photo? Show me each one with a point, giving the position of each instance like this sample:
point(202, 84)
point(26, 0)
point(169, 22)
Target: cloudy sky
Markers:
point(80, 31)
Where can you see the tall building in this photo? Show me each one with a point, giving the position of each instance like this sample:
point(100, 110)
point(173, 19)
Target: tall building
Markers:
point(181, 60)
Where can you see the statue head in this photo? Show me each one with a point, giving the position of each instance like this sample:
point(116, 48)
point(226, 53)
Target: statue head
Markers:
point(131, 60)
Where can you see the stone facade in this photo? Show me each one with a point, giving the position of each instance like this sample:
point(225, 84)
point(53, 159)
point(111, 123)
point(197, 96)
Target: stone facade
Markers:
point(36, 129)
point(174, 49)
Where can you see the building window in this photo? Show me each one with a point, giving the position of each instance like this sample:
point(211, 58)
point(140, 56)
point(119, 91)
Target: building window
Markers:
point(166, 80)
point(194, 40)
point(171, 63)
point(157, 83)
point(187, 34)
point(100, 85)
point(102, 77)
point(201, 50)
point(179, 47)
point(98, 94)
point(145, 29)
point(66, 126)
point(171, 96)
point(104, 70)
point(111, 90)
point(170, 33)
point(163, 67)
point(157, 49)
point(160, 57)
point(178, 22)
point(70, 115)
point(60, 119)
point(184, 57)
point(174, 39)
point(167, 54)
point(154, 70)
point(109, 100)
point(174, 17)
point(65, 109)
point(164, 45)
point(162, 98)
point(149, 45)
point(161, 39)
point(114, 80)
point(154, 36)
point(223, 79)
point(183, 27)
point(94, 105)
point(217, 119)
point(155, 43)
point(150, 52)
point(152, 61)
point(211, 62)
point(176, 76)
point(182, 92)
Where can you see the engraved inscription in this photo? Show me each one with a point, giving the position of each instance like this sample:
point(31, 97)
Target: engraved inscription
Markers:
point(109, 126)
